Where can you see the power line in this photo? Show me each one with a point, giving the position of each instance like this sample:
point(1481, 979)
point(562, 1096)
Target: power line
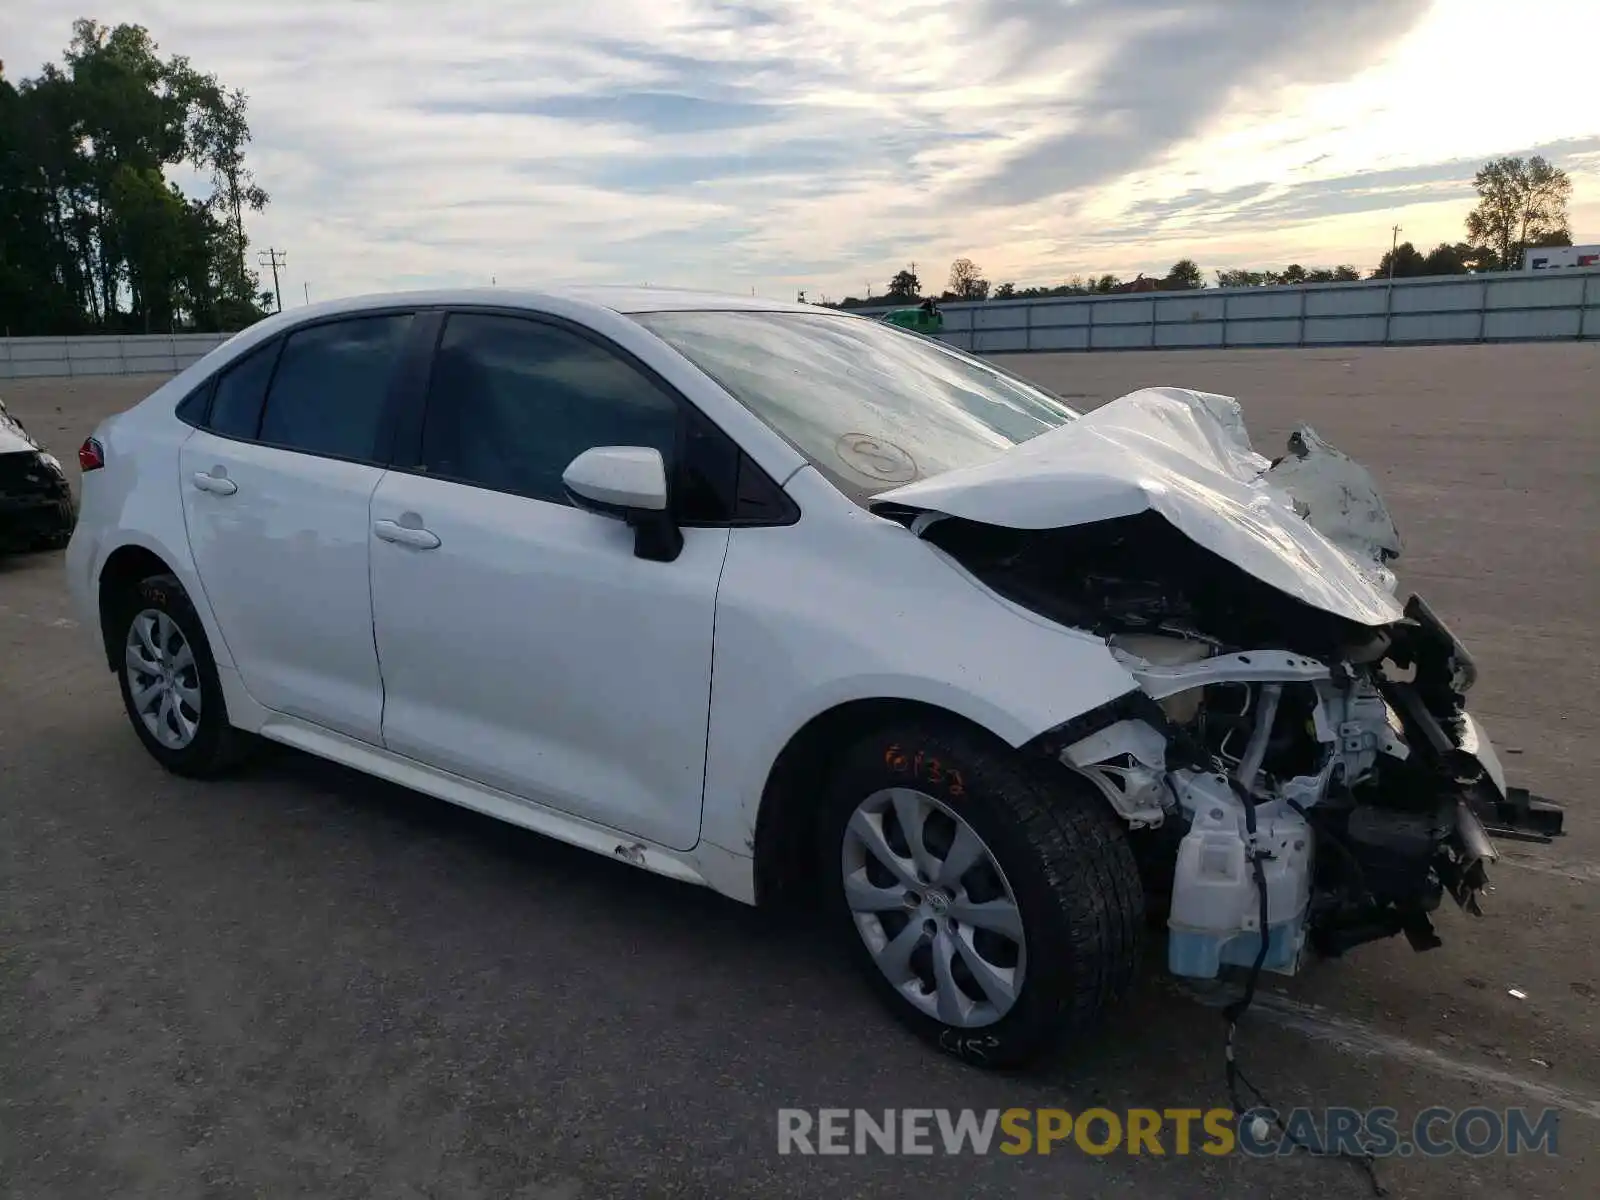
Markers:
point(274, 259)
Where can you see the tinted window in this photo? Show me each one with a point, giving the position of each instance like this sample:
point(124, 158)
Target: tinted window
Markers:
point(328, 393)
point(192, 408)
point(707, 484)
point(512, 402)
point(236, 407)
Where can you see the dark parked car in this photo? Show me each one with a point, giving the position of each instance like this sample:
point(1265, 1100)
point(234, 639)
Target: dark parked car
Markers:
point(36, 510)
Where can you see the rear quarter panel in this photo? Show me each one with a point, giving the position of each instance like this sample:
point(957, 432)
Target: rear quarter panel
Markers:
point(134, 500)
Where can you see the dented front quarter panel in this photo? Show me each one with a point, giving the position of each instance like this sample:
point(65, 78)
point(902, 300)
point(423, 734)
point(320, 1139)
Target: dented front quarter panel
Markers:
point(846, 607)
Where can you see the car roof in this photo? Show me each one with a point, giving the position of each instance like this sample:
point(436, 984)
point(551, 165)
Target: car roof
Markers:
point(620, 299)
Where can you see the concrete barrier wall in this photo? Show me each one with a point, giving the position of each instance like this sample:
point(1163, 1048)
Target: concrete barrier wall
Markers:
point(156, 354)
point(1561, 305)
point(1555, 305)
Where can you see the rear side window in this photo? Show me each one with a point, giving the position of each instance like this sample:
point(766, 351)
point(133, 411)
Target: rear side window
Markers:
point(191, 409)
point(236, 407)
point(329, 390)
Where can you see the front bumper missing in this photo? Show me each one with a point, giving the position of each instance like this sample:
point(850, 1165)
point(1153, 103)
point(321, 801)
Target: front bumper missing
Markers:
point(1430, 709)
point(1398, 726)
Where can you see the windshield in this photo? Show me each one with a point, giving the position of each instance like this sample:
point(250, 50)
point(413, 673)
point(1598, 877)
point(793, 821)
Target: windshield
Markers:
point(871, 406)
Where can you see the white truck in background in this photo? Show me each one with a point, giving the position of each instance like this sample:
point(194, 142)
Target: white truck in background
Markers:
point(1555, 258)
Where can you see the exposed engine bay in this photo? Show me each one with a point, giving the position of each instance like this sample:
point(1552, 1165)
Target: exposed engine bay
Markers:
point(1298, 749)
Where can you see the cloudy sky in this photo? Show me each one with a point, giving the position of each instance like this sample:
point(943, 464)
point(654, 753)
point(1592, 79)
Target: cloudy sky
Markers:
point(822, 144)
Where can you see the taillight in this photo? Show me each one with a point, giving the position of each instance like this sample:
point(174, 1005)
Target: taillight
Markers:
point(91, 455)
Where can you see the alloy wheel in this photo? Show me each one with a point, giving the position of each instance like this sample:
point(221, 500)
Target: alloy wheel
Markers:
point(934, 908)
point(163, 679)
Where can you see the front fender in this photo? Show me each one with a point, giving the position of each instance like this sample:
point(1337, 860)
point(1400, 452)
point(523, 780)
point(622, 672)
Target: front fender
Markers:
point(808, 620)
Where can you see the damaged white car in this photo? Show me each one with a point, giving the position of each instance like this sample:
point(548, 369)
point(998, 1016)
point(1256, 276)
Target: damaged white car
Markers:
point(790, 603)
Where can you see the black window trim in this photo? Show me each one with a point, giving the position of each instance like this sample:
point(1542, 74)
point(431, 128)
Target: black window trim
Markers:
point(202, 393)
point(406, 443)
point(393, 404)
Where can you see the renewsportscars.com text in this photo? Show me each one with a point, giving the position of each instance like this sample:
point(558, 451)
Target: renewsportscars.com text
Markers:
point(1379, 1132)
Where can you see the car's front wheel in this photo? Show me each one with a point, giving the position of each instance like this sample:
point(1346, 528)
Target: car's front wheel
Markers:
point(169, 679)
point(996, 909)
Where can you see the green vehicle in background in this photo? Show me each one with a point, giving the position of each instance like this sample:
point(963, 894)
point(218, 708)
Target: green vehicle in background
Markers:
point(925, 318)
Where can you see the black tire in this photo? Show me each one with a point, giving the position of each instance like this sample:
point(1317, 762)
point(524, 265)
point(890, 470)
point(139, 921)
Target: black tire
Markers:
point(217, 746)
point(1065, 855)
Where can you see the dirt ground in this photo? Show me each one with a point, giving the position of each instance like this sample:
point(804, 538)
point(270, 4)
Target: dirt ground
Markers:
point(304, 982)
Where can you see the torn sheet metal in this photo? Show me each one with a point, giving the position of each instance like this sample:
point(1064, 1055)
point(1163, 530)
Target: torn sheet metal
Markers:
point(1338, 496)
point(1187, 456)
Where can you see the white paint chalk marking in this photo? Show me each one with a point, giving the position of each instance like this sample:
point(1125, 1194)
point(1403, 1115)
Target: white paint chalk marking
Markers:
point(1581, 872)
point(35, 619)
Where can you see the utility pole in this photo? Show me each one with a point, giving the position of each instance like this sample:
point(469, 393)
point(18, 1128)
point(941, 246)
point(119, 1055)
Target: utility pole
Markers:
point(274, 259)
point(1388, 295)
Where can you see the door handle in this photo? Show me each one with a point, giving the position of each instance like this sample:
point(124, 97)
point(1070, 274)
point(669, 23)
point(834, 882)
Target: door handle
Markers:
point(406, 535)
point(219, 485)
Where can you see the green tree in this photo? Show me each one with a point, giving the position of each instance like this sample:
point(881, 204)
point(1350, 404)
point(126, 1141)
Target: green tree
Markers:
point(152, 225)
point(94, 236)
point(1240, 277)
point(904, 286)
point(1521, 203)
point(219, 133)
point(1447, 259)
point(39, 292)
point(1005, 291)
point(1185, 275)
point(1407, 262)
point(1106, 283)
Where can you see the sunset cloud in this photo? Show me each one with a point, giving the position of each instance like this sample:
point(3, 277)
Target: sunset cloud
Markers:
point(823, 145)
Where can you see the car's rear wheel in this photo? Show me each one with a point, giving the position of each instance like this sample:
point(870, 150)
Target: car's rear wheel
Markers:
point(996, 909)
point(169, 680)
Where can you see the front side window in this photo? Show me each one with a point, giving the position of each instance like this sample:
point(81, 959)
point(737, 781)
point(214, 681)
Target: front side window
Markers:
point(331, 384)
point(512, 402)
point(871, 406)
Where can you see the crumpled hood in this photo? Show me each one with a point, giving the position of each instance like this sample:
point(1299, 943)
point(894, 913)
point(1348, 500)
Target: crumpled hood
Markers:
point(1313, 526)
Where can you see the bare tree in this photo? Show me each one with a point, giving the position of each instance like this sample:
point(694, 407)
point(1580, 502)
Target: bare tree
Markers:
point(967, 281)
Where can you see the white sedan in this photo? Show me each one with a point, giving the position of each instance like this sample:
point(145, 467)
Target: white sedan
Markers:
point(791, 603)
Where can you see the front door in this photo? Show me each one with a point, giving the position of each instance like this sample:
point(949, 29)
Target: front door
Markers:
point(522, 643)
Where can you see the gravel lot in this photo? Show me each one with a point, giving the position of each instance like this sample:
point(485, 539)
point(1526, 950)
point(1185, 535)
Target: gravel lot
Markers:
point(304, 982)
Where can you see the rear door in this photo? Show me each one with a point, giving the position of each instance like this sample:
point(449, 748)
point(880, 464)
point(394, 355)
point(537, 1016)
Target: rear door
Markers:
point(276, 494)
